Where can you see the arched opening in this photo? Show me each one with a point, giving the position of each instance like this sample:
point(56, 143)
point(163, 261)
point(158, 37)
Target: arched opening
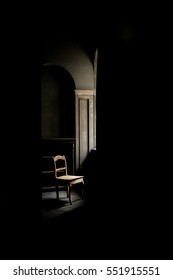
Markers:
point(57, 103)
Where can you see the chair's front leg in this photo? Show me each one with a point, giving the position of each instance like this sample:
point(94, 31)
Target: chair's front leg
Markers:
point(57, 192)
point(69, 194)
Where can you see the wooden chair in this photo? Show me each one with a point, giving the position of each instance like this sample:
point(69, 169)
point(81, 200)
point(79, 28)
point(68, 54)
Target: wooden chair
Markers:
point(62, 177)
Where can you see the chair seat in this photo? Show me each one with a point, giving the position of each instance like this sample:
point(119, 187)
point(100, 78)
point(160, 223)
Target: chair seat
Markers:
point(70, 180)
point(69, 177)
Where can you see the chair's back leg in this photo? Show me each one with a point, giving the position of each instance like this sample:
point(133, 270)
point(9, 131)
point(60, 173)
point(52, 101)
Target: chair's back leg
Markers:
point(83, 189)
point(69, 193)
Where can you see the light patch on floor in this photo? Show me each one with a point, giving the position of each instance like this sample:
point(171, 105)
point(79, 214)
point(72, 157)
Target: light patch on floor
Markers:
point(51, 208)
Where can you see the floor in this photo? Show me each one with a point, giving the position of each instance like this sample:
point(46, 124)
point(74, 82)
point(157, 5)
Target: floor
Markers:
point(52, 209)
point(83, 230)
point(68, 231)
point(107, 227)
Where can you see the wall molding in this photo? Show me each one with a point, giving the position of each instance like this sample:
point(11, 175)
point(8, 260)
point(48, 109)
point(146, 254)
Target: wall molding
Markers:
point(84, 107)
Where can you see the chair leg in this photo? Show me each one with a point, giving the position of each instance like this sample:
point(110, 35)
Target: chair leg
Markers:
point(57, 193)
point(69, 194)
point(83, 190)
point(68, 190)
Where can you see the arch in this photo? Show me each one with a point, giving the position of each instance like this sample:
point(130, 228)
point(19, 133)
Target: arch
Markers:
point(80, 65)
point(72, 56)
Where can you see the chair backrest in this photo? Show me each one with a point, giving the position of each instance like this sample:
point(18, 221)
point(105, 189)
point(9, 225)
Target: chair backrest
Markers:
point(60, 165)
